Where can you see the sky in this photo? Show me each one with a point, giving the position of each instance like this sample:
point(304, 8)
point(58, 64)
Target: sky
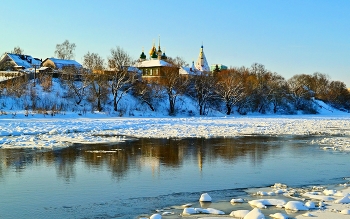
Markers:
point(287, 37)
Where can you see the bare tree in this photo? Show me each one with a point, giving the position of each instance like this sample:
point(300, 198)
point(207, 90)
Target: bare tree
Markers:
point(279, 92)
point(76, 81)
point(145, 92)
point(45, 81)
point(319, 83)
point(173, 84)
point(120, 78)
point(203, 90)
point(17, 50)
point(262, 90)
point(338, 95)
point(16, 87)
point(94, 65)
point(300, 93)
point(65, 50)
point(230, 88)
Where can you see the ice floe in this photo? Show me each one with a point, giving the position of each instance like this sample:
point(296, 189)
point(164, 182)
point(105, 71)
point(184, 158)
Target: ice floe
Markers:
point(237, 200)
point(295, 206)
point(313, 207)
point(63, 132)
point(239, 213)
point(263, 203)
point(255, 214)
point(205, 197)
point(344, 200)
point(279, 216)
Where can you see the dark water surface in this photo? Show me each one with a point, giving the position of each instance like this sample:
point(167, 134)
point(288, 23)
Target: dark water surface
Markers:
point(138, 176)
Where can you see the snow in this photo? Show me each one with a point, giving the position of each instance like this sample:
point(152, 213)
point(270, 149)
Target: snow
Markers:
point(60, 63)
point(255, 214)
point(279, 216)
point(26, 62)
point(344, 200)
point(345, 211)
point(95, 128)
point(156, 216)
point(295, 206)
point(20, 130)
point(189, 211)
point(26, 129)
point(239, 213)
point(151, 63)
point(336, 209)
point(263, 203)
point(205, 197)
point(318, 196)
point(237, 200)
point(310, 205)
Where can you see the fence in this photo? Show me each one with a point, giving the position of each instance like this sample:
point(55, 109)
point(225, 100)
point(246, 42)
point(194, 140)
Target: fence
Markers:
point(9, 77)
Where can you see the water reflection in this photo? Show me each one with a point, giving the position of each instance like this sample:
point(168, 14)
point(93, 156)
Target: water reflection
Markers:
point(134, 176)
point(119, 158)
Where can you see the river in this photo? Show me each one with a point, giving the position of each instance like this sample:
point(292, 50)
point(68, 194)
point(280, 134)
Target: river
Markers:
point(135, 177)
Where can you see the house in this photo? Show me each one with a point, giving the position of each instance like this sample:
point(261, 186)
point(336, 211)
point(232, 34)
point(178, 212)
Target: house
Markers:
point(133, 72)
point(218, 66)
point(189, 71)
point(202, 63)
point(19, 62)
point(153, 68)
point(60, 64)
point(61, 68)
point(198, 68)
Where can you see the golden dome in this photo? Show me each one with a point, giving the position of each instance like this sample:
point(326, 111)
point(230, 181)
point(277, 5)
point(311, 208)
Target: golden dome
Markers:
point(152, 50)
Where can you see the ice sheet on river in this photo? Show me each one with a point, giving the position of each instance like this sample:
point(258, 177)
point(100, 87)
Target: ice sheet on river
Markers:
point(63, 132)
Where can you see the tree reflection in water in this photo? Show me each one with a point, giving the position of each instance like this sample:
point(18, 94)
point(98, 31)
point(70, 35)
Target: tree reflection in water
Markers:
point(119, 158)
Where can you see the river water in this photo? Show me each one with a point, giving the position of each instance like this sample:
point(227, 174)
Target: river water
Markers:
point(135, 177)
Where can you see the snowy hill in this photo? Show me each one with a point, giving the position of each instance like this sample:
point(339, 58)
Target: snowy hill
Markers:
point(55, 102)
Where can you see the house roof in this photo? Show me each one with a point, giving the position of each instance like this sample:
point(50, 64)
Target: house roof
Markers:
point(188, 71)
point(25, 61)
point(152, 63)
point(202, 63)
point(60, 63)
point(130, 69)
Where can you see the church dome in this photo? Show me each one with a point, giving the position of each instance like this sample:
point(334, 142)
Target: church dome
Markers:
point(142, 56)
point(152, 50)
point(154, 55)
point(163, 57)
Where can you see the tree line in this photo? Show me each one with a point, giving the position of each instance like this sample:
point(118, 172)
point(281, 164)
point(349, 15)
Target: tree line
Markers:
point(235, 90)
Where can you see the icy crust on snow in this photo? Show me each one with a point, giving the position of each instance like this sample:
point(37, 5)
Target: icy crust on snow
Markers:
point(292, 203)
point(62, 132)
point(334, 143)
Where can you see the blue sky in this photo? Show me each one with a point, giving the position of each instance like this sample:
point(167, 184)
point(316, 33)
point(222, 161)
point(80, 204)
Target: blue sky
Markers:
point(288, 37)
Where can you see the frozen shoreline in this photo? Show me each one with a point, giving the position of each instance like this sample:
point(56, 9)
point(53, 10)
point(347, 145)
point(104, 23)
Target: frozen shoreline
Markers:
point(63, 131)
point(277, 202)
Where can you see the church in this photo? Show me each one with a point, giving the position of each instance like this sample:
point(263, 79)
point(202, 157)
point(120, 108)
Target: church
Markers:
point(152, 68)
